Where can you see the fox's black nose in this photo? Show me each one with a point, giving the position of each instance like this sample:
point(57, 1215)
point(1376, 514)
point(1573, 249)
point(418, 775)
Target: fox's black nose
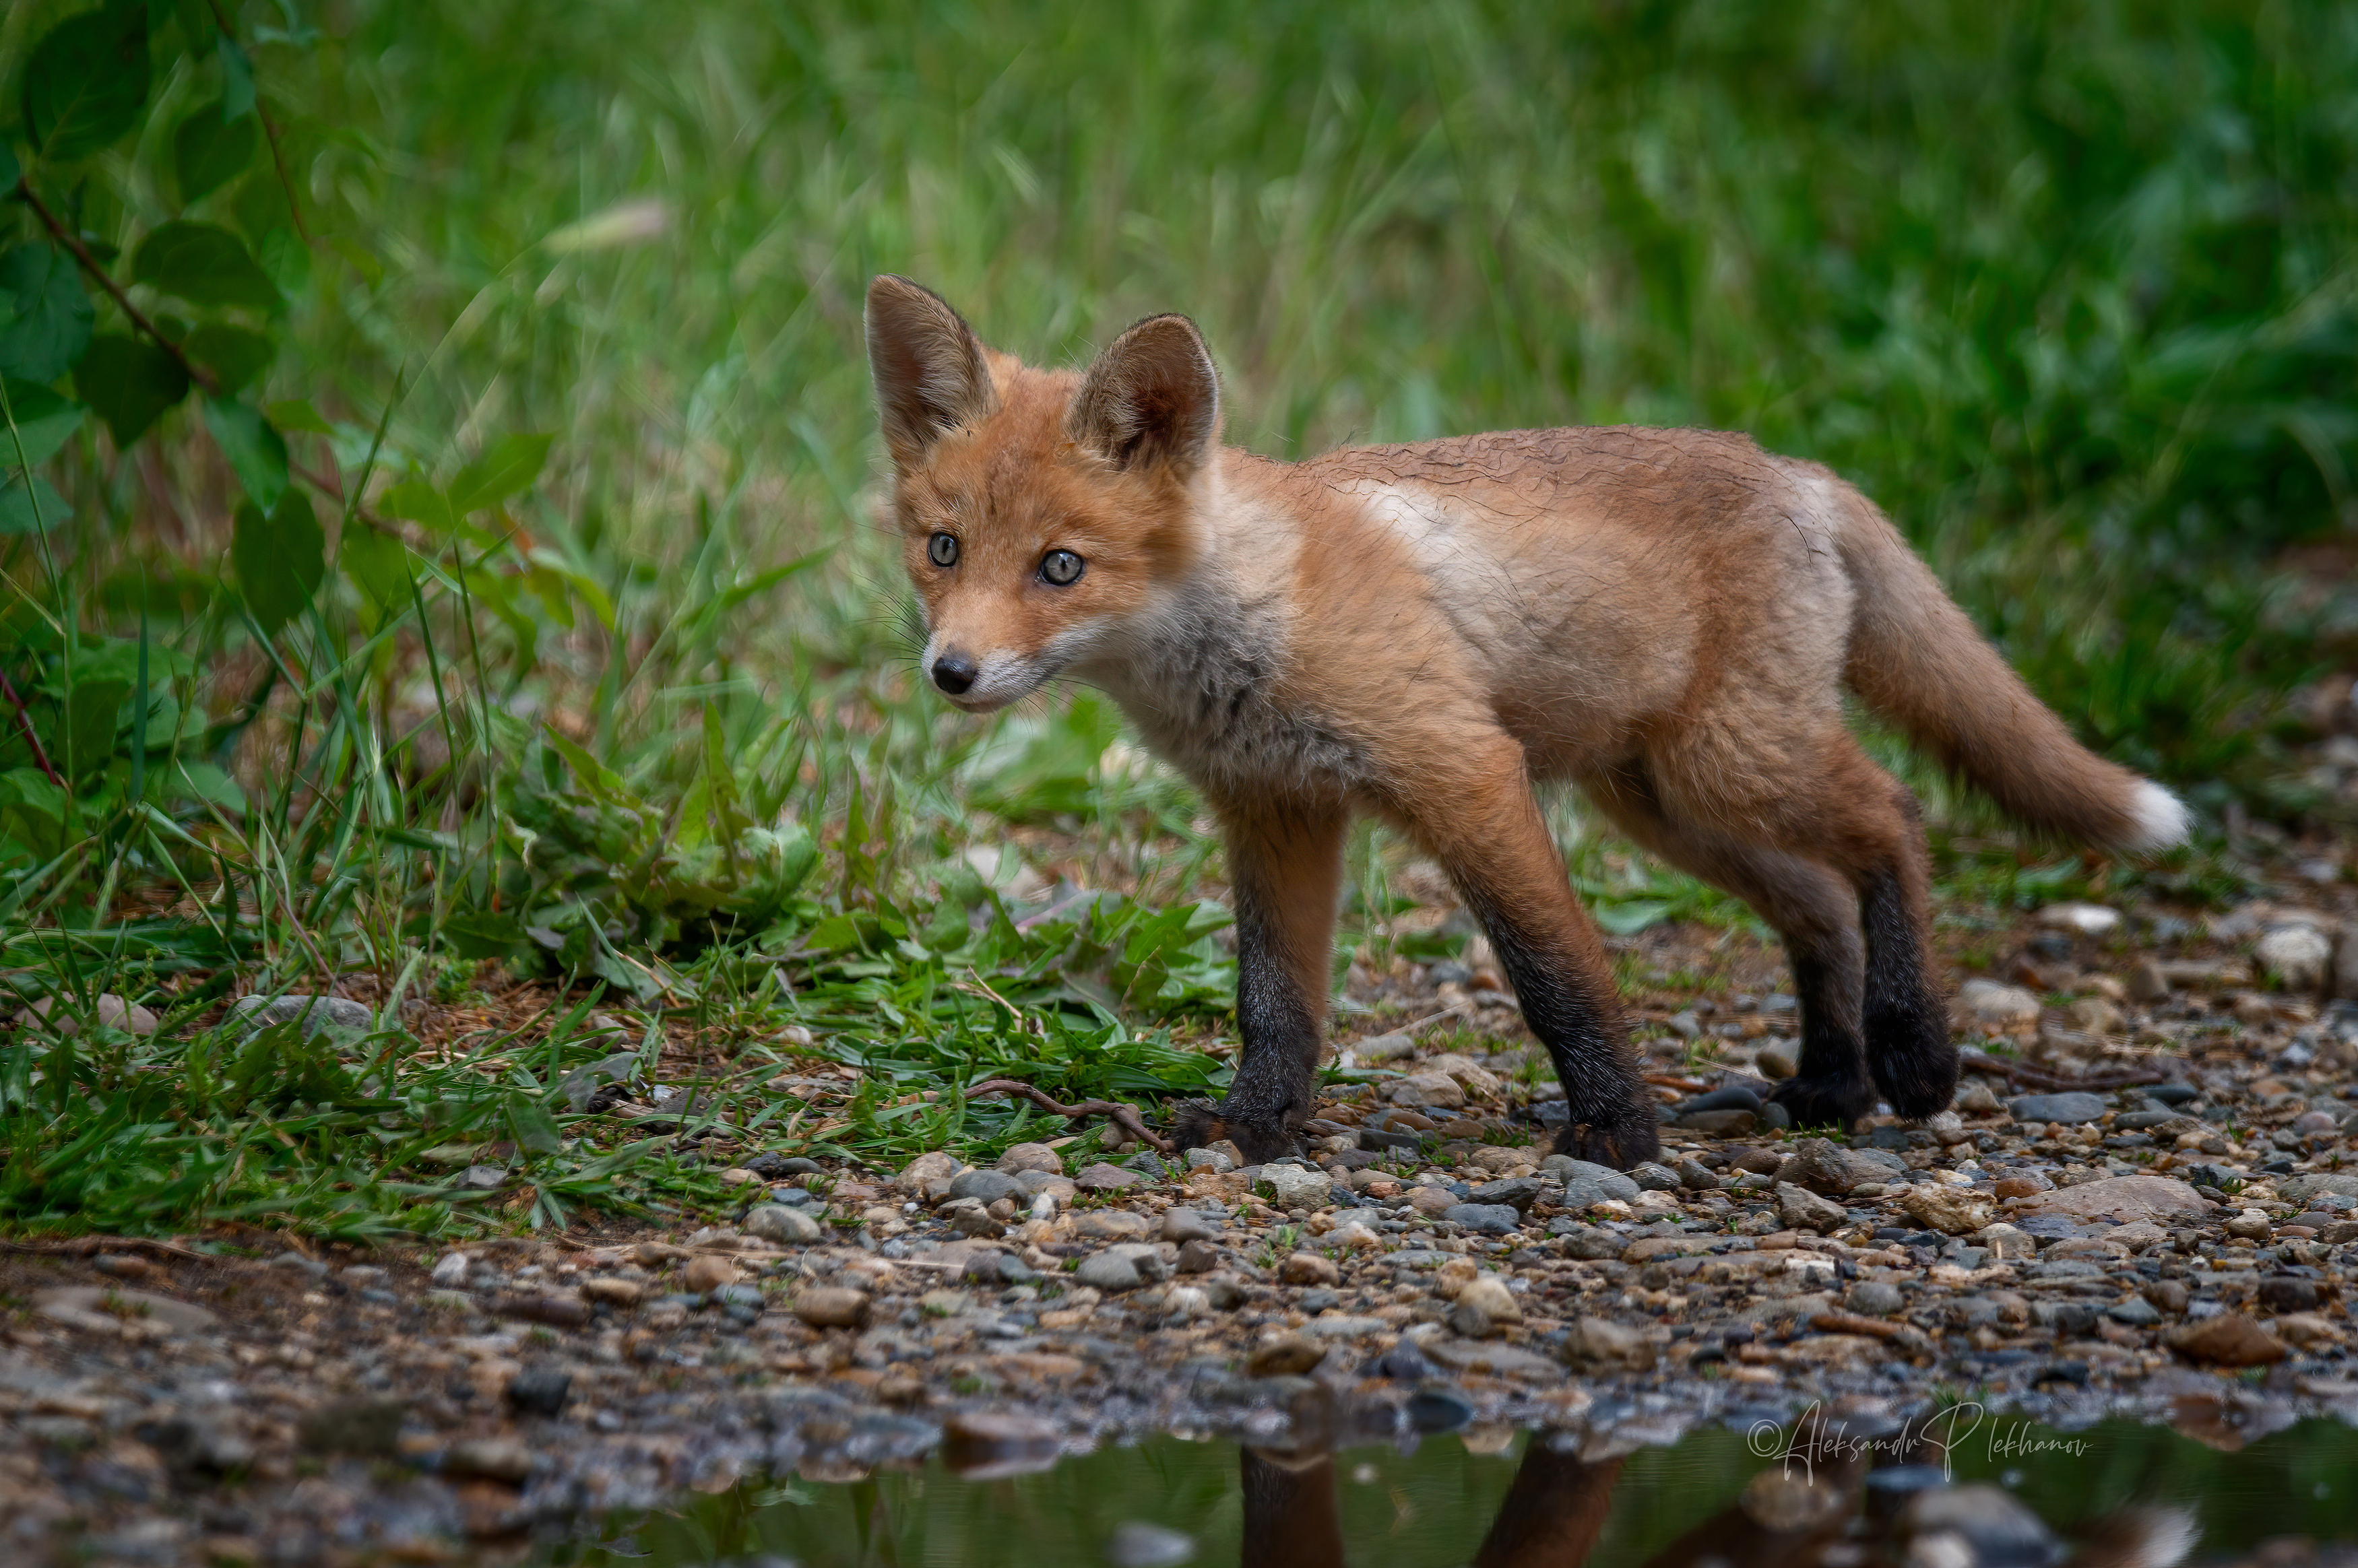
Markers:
point(954, 672)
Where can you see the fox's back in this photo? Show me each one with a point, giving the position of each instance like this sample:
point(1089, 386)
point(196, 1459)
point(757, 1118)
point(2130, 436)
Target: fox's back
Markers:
point(1583, 582)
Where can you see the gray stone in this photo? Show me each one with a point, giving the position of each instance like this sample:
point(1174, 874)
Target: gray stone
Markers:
point(1999, 1530)
point(332, 1016)
point(1190, 1225)
point(2075, 1108)
point(2308, 1188)
point(1106, 1272)
point(1591, 1242)
point(1520, 1191)
point(1654, 1178)
point(1486, 1219)
point(1142, 1256)
point(1586, 1184)
point(987, 1186)
point(365, 1427)
point(1824, 1166)
point(787, 1226)
point(1734, 1097)
point(579, 1084)
point(2136, 1312)
point(1805, 1210)
point(1873, 1298)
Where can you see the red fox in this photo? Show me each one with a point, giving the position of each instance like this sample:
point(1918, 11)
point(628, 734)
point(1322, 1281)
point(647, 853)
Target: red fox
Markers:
point(1665, 618)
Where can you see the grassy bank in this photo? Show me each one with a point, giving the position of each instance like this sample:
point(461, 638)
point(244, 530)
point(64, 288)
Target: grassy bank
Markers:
point(579, 661)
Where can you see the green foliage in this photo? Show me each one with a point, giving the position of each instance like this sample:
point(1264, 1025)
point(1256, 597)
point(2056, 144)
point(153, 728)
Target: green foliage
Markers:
point(508, 591)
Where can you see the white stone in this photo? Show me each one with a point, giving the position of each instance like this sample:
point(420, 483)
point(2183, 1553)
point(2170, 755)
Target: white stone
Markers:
point(2087, 919)
point(1436, 1089)
point(452, 1269)
point(1996, 1008)
point(2297, 954)
point(1296, 1187)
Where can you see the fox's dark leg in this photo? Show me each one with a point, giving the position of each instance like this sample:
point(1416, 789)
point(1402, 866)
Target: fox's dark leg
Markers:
point(1553, 1513)
point(1285, 865)
point(1815, 911)
point(1291, 1518)
point(1906, 1024)
point(1478, 820)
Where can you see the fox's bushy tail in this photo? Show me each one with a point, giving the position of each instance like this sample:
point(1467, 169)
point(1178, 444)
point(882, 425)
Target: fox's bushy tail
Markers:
point(1919, 661)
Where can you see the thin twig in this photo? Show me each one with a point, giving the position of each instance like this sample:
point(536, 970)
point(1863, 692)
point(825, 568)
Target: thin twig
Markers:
point(2040, 1078)
point(270, 134)
point(89, 264)
point(24, 721)
point(86, 1246)
point(1122, 1114)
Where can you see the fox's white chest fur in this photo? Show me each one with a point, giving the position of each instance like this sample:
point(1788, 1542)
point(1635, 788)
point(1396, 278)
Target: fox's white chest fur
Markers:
point(1202, 676)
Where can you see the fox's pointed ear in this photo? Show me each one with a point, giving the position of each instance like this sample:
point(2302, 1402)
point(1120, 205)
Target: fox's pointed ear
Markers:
point(929, 364)
point(1152, 397)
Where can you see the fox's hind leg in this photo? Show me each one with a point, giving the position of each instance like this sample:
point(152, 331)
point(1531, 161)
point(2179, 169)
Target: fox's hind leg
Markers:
point(1285, 864)
point(1813, 908)
point(1828, 802)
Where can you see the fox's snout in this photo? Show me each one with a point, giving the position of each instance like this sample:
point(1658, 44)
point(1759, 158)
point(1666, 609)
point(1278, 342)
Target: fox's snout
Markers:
point(954, 670)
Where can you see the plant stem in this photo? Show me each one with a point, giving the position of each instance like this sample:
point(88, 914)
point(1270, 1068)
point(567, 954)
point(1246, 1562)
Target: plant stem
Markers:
point(270, 134)
point(25, 722)
point(89, 263)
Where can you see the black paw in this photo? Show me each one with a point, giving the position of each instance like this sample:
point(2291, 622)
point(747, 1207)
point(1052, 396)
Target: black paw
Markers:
point(1824, 1101)
point(1915, 1065)
point(1200, 1122)
point(1620, 1144)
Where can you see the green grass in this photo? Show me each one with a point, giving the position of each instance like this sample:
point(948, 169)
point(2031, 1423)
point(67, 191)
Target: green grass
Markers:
point(2071, 294)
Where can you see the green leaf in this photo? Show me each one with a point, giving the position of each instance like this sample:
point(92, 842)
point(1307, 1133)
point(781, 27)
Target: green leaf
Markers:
point(237, 78)
point(593, 775)
point(128, 382)
point(86, 83)
point(236, 354)
point(415, 501)
point(1627, 917)
point(204, 782)
point(210, 148)
point(280, 557)
point(256, 453)
point(92, 708)
point(476, 935)
point(203, 263)
point(44, 421)
point(10, 171)
point(17, 504)
point(377, 563)
point(295, 414)
point(510, 465)
point(287, 260)
point(45, 322)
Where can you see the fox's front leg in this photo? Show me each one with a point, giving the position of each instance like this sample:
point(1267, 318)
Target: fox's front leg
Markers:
point(1285, 864)
point(1477, 815)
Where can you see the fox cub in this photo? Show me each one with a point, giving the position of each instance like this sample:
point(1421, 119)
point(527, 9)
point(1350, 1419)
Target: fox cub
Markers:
point(1665, 618)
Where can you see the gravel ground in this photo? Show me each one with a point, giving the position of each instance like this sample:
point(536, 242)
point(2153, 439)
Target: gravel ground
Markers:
point(2175, 1248)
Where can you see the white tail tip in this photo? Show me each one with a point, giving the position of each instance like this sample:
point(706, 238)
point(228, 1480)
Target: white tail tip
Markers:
point(2161, 817)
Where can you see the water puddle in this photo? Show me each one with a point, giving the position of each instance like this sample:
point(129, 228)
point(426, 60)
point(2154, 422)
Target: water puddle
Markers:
point(1957, 1489)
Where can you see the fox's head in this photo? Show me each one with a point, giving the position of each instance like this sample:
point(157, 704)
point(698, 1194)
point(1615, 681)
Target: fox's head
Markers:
point(1039, 511)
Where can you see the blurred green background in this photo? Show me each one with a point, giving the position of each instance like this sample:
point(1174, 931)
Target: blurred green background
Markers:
point(2071, 291)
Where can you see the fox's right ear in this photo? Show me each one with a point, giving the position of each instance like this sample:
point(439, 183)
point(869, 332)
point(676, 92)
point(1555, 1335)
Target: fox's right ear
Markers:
point(1151, 398)
point(928, 365)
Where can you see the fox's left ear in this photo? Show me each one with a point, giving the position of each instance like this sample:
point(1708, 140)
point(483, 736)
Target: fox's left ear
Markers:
point(1151, 398)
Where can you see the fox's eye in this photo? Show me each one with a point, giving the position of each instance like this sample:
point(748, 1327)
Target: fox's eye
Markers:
point(1062, 567)
point(942, 549)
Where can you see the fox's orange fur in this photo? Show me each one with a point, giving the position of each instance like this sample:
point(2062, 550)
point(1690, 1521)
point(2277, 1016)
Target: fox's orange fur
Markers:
point(1665, 618)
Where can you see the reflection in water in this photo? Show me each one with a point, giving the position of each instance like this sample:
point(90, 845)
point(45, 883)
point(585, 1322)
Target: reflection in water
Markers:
point(1835, 1495)
point(1951, 1489)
